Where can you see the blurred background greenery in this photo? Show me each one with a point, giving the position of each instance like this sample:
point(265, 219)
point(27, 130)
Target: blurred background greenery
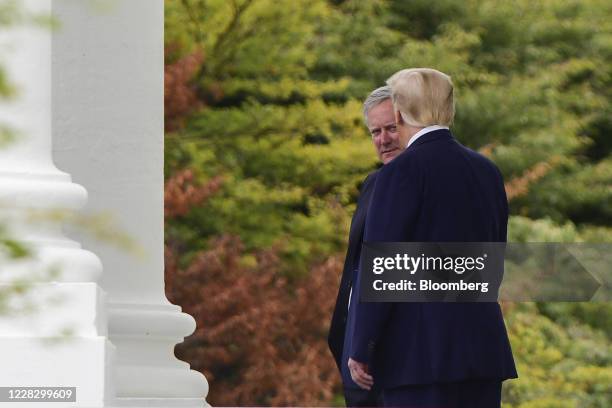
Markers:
point(265, 142)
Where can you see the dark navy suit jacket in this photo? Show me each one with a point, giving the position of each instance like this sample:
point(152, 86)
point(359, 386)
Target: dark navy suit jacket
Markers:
point(351, 263)
point(435, 191)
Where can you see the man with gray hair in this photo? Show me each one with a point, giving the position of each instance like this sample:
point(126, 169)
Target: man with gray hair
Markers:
point(378, 116)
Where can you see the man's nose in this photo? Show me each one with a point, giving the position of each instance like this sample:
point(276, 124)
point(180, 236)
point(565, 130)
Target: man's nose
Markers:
point(386, 137)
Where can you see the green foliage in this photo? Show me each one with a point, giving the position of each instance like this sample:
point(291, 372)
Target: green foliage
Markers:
point(582, 194)
point(11, 249)
point(523, 229)
point(11, 13)
point(281, 85)
point(560, 363)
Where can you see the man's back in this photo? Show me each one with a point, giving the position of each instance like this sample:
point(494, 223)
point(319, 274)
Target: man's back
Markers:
point(460, 197)
point(436, 191)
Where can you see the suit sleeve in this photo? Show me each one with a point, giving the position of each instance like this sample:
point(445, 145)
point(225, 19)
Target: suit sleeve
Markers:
point(391, 216)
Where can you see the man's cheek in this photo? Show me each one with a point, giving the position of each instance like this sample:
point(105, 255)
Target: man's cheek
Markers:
point(378, 149)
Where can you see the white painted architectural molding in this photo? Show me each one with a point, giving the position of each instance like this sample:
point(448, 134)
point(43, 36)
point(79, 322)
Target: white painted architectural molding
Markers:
point(108, 112)
point(96, 85)
point(30, 183)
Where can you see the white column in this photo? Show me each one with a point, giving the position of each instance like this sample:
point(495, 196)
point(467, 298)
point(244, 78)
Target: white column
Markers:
point(108, 78)
point(32, 352)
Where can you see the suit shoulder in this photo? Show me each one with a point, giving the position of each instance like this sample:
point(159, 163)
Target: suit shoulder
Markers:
point(407, 160)
point(485, 161)
point(370, 178)
point(406, 166)
point(368, 181)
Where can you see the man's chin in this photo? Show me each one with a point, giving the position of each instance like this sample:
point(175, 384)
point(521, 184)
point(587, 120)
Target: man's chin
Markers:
point(390, 155)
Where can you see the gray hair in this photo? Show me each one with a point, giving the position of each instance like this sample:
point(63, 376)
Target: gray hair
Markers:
point(376, 97)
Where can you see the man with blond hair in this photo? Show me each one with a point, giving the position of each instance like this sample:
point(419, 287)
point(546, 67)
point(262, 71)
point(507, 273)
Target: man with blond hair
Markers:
point(435, 354)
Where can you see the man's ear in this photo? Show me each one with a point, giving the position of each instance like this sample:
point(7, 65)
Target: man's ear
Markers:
point(398, 118)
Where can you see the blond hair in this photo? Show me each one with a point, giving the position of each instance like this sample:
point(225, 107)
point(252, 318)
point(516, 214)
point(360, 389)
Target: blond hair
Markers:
point(424, 96)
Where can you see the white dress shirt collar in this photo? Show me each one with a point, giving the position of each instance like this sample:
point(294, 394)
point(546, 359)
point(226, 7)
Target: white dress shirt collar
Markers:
point(423, 131)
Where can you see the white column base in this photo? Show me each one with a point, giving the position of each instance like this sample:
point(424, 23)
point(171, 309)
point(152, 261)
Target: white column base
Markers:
point(146, 370)
point(33, 352)
point(49, 362)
